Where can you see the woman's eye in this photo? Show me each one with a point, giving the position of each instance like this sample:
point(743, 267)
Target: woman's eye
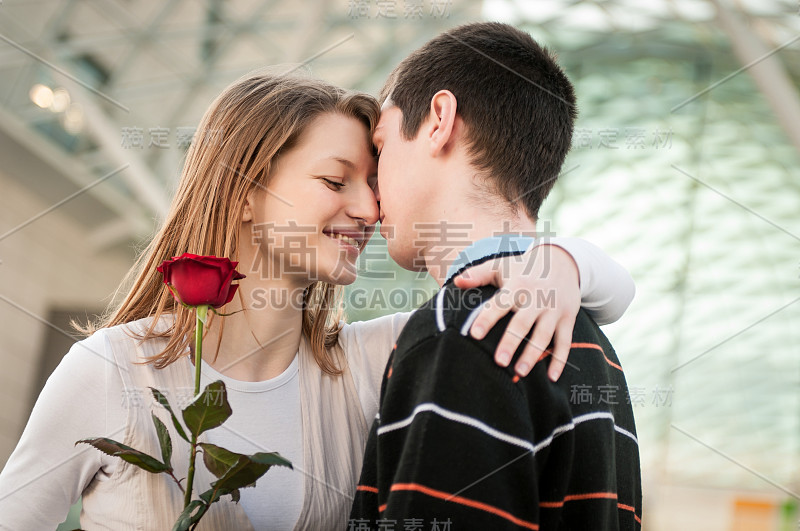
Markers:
point(334, 184)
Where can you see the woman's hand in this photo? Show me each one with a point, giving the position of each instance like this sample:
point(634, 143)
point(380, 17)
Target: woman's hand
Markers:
point(543, 287)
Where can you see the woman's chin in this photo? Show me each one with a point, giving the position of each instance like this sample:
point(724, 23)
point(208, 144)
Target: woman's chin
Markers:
point(343, 279)
point(342, 276)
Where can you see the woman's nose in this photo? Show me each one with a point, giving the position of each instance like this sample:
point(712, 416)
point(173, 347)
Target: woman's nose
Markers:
point(365, 206)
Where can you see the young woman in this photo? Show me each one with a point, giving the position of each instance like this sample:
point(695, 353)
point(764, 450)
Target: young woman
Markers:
point(280, 178)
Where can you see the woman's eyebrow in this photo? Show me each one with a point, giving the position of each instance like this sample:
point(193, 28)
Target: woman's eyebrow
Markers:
point(342, 161)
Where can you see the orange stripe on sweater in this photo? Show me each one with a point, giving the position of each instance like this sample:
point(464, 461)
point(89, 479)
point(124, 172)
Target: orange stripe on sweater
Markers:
point(462, 501)
point(544, 354)
point(596, 347)
point(631, 509)
point(591, 496)
point(366, 488)
point(582, 345)
point(576, 497)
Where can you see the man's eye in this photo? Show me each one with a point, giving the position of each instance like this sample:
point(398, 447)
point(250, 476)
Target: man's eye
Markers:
point(334, 184)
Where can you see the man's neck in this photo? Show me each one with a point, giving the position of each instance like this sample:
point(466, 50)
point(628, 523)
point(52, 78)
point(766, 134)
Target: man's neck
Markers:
point(461, 231)
point(467, 211)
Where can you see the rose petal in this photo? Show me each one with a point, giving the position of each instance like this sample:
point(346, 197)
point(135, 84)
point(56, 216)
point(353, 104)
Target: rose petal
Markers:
point(200, 280)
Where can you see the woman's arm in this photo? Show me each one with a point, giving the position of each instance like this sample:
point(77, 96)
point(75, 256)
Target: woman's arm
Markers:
point(607, 288)
point(547, 287)
point(47, 473)
point(556, 277)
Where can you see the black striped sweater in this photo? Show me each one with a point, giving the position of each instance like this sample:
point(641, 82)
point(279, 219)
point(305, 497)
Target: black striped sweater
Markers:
point(461, 443)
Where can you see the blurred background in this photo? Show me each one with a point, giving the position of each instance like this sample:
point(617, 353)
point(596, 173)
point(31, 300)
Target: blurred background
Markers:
point(684, 168)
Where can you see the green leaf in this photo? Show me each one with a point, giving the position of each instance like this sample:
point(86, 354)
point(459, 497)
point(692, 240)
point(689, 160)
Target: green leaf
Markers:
point(218, 460)
point(271, 458)
point(209, 410)
point(235, 471)
point(242, 474)
point(247, 469)
point(210, 496)
point(126, 453)
point(161, 399)
point(164, 440)
point(188, 517)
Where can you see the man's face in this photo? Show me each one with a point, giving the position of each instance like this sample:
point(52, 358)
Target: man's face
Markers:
point(404, 188)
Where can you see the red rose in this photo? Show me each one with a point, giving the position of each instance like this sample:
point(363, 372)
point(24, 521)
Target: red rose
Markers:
point(199, 280)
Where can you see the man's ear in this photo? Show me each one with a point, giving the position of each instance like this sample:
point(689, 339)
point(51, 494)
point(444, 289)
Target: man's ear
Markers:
point(443, 119)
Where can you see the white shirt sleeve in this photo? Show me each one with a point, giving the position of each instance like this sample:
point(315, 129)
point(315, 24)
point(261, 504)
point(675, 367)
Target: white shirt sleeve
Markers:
point(47, 472)
point(607, 288)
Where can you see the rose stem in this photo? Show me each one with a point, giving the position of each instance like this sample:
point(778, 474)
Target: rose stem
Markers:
point(202, 311)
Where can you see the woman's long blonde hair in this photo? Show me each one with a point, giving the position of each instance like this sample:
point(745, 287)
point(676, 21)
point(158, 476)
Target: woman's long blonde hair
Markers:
point(240, 137)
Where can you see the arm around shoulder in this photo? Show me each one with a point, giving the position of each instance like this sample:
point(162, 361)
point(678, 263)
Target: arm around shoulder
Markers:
point(607, 288)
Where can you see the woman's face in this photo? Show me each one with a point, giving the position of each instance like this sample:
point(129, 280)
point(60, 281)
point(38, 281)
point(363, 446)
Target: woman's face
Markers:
point(319, 208)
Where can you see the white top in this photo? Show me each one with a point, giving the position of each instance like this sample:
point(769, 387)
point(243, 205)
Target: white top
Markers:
point(87, 396)
point(266, 419)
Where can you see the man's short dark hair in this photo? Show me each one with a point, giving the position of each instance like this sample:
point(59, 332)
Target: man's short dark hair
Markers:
point(517, 104)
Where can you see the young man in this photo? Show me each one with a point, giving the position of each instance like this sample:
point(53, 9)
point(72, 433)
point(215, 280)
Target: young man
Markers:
point(475, 127)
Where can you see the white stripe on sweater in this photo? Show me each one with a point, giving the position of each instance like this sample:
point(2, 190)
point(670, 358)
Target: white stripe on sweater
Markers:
point(626, 433)
point(440, 310)
point(470, 319)
point(485, 428)
point(456, 417)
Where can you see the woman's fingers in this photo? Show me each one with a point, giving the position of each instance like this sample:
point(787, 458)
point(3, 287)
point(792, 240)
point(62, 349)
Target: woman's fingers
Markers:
point(479, 275)
point(561, 346)
point(551, 314)
point(515, 333)
point(492, 311)
point(542, 334)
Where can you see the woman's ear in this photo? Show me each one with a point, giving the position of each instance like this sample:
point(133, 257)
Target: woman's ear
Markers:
point(443, 119)
point(247, 210)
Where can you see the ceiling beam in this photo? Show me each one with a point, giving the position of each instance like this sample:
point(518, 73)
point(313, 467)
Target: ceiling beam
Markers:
point(50, 160)
point(766, 69)
point(106, 134)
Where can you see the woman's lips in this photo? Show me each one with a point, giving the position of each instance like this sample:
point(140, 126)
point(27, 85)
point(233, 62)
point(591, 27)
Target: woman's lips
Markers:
point(345, 238)
point(349, 240)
